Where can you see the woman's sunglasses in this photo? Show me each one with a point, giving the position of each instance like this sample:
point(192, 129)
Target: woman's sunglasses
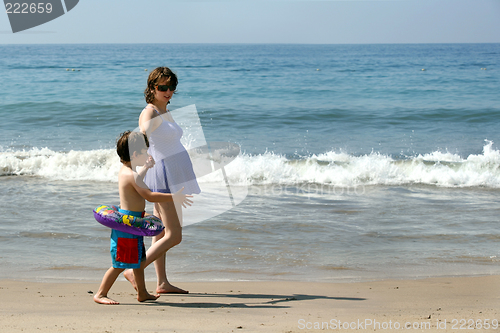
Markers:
point(163, 87)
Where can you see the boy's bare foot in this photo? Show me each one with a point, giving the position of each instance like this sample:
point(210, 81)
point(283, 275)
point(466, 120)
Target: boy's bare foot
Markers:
point(105, 300)
point(147, 297)
point(129, 275)
point(167, 288)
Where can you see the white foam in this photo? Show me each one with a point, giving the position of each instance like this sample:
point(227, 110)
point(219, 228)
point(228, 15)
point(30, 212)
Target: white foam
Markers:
point(331, 168)
point(98, 165)
point(341, 169)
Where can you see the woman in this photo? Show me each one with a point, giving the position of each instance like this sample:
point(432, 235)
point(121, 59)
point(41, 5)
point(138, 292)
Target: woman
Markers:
point(172, 172)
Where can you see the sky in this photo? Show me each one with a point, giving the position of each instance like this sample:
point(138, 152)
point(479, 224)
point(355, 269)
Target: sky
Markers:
point(267, 21)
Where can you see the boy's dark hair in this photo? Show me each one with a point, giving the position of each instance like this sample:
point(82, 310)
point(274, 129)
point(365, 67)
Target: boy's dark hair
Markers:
point(154, 78)
point(130, 142)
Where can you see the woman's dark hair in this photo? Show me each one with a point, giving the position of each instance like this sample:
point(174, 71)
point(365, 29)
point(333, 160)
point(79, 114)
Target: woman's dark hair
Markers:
point(154, 78)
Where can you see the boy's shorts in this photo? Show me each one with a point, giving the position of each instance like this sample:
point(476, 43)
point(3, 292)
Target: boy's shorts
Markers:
point(127, 250)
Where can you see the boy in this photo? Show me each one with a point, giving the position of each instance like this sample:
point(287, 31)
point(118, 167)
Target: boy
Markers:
point(127, 251)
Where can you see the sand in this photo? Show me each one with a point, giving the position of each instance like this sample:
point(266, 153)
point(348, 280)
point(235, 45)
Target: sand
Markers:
point(452, 304)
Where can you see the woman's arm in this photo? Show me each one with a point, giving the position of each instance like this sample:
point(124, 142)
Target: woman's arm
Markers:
point(148, 121)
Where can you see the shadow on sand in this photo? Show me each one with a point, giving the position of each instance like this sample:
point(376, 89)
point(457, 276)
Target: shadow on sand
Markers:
point(239, 300)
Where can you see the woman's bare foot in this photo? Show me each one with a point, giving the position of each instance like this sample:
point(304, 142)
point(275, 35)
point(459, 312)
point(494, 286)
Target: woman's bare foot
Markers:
point(104, 300)
point(167, 288)
point(147, 297)
point(129, 275)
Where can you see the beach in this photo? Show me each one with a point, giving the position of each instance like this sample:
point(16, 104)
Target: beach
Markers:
point(447, 304)
point(363, 189)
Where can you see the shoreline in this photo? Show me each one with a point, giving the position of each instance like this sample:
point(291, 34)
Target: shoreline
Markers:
point(433, 304)
point(179, 279)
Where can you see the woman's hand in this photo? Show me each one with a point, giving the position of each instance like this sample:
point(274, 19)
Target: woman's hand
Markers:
point(182, 198)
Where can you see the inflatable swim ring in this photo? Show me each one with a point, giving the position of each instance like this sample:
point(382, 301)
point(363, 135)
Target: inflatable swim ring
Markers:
point(110, 217)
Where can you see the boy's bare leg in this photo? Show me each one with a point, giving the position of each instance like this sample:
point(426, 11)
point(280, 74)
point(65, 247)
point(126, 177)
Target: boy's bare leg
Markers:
point(109, 278)
point(142, 292)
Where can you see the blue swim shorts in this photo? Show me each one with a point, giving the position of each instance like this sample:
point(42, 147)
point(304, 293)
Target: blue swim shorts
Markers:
point(127, 250)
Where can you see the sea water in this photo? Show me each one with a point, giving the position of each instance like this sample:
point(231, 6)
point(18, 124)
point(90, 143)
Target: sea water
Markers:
point(359, 161)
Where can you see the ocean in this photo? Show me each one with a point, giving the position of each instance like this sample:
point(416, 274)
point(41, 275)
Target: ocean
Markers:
point(357, 162)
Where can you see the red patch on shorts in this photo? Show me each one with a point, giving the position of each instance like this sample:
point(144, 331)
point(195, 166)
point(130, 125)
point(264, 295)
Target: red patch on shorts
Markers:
point(127, 250)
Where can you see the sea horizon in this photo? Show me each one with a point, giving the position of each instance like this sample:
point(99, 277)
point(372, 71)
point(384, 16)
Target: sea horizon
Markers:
point(361, 161)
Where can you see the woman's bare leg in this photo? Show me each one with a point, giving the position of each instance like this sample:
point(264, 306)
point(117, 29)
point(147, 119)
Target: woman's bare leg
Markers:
point(171, 219)
point(142, 292)
point(170, 237)
point(160, 263)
